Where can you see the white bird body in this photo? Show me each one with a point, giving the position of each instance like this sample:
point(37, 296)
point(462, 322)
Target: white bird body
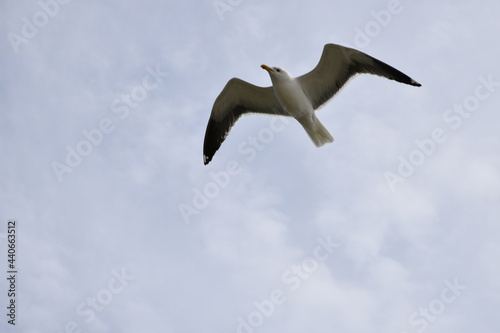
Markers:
point(294, 101)
point(296, 97)
point(289, 93)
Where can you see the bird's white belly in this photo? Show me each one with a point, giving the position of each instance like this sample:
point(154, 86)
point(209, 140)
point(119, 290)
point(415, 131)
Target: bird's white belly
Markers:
point(293, 99)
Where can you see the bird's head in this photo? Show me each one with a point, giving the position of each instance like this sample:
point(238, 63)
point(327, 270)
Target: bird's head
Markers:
point(277, 73)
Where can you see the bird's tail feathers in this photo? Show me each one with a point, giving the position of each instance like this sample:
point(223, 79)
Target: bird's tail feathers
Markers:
point(316, 131)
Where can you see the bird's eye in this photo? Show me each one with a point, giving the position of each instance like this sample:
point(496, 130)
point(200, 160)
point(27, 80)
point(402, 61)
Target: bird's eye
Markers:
point(278, 70)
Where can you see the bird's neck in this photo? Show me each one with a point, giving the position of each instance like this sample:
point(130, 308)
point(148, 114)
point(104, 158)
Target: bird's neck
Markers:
point(283, 81)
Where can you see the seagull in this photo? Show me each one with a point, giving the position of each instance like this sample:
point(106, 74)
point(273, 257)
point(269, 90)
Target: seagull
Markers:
point(296, 97)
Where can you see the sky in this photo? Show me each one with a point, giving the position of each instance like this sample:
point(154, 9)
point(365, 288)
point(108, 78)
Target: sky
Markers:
point(119, 227)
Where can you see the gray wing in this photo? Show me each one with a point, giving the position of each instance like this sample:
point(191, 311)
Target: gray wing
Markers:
point(337, 65)
point(238, 97)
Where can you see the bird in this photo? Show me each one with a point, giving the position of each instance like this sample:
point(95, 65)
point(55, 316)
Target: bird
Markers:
point(297, 97)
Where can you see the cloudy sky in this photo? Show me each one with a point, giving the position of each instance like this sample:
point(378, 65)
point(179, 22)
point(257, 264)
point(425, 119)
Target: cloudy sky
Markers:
point(392, 228)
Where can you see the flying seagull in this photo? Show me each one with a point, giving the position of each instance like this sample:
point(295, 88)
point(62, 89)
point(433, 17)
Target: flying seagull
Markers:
point(295, 97)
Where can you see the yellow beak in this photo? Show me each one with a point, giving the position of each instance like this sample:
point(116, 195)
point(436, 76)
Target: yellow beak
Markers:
point(267, 68)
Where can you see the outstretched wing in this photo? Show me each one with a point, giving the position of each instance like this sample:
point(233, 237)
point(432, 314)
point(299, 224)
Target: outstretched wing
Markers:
point(238, 97)
point(337, 65)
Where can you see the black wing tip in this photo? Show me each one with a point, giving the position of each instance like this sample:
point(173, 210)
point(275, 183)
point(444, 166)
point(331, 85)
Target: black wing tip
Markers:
point(212, 141)
point(415, 83)
point(403, 78)
point(408, 80)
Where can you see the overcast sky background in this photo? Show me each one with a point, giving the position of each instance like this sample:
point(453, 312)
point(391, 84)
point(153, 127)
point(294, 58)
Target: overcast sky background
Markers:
point(111, 231)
